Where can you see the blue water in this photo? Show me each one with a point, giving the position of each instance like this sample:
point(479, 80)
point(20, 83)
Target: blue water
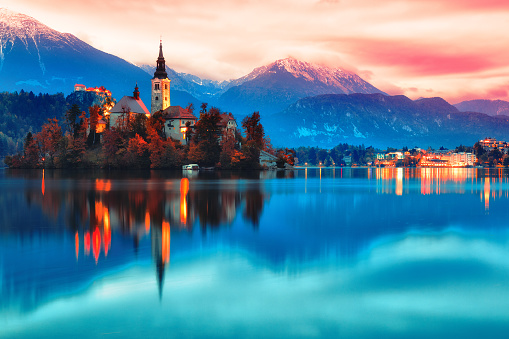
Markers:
point(328, 253)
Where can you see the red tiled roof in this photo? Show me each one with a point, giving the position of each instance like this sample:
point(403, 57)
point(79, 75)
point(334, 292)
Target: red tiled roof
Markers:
point(177, 112)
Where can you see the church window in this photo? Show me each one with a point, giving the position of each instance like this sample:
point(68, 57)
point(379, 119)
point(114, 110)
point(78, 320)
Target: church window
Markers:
point(165, 98)
point(165, 86)
point(156, 86)
point(157, 98)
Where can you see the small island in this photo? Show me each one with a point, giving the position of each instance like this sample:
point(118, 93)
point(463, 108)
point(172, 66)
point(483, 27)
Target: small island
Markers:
point(125, 134)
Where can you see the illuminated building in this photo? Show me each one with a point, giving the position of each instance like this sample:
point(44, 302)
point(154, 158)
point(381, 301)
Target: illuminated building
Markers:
point(449, 159)
point(98, 90)
point(490, 144)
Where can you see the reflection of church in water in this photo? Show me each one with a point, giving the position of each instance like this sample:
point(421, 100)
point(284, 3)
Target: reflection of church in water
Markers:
point(98, 211)
point(150, 214)
point(137, 216)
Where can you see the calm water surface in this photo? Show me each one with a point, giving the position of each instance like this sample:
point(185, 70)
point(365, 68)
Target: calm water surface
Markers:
point(350, 253)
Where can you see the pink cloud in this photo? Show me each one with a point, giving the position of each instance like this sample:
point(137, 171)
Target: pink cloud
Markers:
point(422, 60)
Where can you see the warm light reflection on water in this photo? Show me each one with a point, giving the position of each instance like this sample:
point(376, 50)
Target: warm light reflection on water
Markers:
point(409, 247)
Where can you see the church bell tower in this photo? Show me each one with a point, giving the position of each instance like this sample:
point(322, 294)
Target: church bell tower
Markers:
point(160, 85)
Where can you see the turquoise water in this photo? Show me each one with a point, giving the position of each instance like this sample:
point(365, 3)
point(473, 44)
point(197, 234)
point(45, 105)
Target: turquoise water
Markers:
point(328, 253)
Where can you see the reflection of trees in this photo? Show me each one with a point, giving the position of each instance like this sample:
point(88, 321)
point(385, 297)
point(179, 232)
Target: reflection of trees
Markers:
point(214, 207)
point(254, 205)
point(83, 204)
point(142, 206)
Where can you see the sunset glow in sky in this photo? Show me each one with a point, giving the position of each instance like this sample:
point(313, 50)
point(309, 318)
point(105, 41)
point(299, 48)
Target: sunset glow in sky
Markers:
point(457, 49)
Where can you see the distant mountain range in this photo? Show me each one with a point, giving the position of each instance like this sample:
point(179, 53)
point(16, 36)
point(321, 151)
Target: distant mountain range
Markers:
point(269, 89)
point(380, 121)
point(300, 103)
point(490, 107)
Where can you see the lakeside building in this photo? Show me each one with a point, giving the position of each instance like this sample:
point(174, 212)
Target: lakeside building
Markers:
point(422, 158)
point(490, 144)
point(268, 160)
point(448, 159)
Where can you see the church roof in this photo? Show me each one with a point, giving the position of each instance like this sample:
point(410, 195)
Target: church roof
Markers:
point(130, 104)
point(177, 112)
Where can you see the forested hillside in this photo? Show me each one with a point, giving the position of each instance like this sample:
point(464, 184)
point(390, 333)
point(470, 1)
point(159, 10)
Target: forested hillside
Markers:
point(25, 112)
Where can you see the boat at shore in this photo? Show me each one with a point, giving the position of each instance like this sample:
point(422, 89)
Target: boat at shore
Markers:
point(191, 167)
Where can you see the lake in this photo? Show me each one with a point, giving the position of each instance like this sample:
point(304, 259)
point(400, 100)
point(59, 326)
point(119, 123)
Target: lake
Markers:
point(326, 253)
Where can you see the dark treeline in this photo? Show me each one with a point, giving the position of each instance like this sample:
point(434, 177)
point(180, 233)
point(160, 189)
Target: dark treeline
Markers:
point(315, 156)
point(25, 112)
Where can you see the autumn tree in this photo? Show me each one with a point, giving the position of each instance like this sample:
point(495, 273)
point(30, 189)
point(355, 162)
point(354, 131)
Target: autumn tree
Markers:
point(49, 139)
point(228, 150)
point(254, 129)
point(156, 122)
point(285, 156)
point(255, 138)
point(156, 148)
point(94, 112)
point(137, 155)
point(112, 143)
point(205, 148)
point(31, 153)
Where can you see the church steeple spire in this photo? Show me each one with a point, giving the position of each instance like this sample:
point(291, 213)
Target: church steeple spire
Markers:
point(160, 85)
point(160, 72)
point(161, 49)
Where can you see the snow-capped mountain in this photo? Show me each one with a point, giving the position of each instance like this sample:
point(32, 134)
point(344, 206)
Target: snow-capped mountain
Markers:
point(271, 88)
point(337, 79)
point(36, 58)
point(203, 89)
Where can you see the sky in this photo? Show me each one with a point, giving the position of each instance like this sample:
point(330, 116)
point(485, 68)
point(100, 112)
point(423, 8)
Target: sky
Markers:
point(456, 49)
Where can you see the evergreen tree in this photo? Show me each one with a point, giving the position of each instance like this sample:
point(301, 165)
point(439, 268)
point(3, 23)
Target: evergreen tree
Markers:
point(71, 117)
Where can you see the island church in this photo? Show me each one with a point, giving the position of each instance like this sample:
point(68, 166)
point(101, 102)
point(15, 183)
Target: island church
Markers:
point(176, 117)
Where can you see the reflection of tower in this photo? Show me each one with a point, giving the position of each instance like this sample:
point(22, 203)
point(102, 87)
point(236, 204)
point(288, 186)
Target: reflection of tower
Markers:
point(184, 189)
point(161, 251)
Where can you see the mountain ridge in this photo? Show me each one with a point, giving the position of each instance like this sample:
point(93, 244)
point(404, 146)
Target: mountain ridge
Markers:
point(380, 121)
point(285, 81)
point(490, 107)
